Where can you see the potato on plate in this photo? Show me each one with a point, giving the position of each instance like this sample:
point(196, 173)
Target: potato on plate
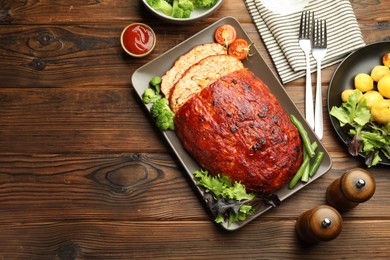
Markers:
point(384, 86)
point(379, 71)
point(380, 112)
point(372, 97)
point(363, 82)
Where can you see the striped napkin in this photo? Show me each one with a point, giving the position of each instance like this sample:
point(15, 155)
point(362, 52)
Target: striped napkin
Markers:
point(278, 25)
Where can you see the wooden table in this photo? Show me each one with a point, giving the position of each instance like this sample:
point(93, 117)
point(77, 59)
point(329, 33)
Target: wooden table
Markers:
point(84, 174)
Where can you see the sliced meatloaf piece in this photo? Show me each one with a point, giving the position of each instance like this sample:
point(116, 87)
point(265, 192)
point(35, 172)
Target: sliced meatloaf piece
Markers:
point(200, 75)
point(237, 128)
point(187, 60)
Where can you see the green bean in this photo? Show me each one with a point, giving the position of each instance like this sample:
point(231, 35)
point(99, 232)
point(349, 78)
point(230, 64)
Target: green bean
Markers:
point(299, 173)
point(317, 162)
point(305, 175)
point(314, 146)
point(304, 136)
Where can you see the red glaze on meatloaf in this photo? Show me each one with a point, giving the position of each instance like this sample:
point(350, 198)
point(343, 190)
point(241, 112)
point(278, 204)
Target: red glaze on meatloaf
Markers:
point(237, 128)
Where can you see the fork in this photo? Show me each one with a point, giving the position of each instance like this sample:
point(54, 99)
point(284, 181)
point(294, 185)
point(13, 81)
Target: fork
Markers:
point(304, 39)
point(318, 51)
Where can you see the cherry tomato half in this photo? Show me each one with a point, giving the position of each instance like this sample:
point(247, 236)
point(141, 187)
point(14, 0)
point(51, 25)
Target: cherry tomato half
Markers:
point(225, 34)
point(239, 49)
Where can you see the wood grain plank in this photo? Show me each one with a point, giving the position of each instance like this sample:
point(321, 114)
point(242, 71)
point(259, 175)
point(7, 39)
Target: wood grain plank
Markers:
point(74, 120)
point(51, 12)
point(122, 186)
point(39, 56)
point(138, 187)
point(173, 240)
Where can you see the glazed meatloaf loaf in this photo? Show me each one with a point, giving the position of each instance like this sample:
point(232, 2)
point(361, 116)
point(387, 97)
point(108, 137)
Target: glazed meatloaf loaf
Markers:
point(187, 60)
point(200, 75)
point(235, 127)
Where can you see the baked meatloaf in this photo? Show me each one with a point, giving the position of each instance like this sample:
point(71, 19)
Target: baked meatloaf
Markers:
point(236, 127)
point(200, 75)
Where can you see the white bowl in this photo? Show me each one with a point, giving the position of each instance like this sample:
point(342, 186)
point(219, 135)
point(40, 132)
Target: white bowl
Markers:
point(196, 15)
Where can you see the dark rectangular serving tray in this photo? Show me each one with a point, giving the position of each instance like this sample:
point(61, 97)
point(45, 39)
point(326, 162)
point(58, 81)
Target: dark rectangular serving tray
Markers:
point(158, 67)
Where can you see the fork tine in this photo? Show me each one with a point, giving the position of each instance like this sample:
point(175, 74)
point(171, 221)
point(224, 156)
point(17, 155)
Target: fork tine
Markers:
point(311, 23)
point(315, 34)
point(319, 34)
point(314, 42)
point(325, 36)
point(301, 26)
point(306, 24)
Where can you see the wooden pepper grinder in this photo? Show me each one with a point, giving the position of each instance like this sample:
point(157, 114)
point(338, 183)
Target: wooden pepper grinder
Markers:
point(353, 187)
point(321, 223)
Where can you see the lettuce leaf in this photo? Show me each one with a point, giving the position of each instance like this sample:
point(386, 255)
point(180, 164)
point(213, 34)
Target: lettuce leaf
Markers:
point(227, 201)
point(352, 112)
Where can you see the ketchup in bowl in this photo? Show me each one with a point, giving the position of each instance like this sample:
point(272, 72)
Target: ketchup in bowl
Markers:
point(138, 39)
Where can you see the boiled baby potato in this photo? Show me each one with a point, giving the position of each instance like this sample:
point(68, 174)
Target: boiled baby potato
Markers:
point(380, 112)
point(363, 82)
point(384, 86)
point(372, 97)
point(386, 59)
point(345, 94)
point(379, 71)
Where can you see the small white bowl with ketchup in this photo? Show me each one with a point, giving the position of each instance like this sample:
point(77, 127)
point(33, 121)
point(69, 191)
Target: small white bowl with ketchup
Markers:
point(138, 39)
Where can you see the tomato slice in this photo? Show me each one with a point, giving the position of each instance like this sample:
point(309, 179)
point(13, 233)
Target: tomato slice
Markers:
point(239, 49)
point(225, 34)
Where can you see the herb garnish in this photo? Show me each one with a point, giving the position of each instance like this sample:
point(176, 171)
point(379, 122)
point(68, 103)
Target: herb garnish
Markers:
point(368, 137)
point(227, 200)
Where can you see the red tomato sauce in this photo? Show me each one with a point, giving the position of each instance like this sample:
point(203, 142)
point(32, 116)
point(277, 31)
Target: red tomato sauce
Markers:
point(138, 39)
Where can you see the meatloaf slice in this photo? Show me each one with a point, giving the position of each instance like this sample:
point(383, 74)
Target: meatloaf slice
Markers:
point(200, 75)
point(236, 127)
point(187, 60)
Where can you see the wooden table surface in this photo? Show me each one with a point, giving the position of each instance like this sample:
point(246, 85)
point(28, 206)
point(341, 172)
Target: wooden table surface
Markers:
point(84, 174)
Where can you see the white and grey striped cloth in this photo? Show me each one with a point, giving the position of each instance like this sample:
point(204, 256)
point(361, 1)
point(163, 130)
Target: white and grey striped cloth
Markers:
point(279, 31)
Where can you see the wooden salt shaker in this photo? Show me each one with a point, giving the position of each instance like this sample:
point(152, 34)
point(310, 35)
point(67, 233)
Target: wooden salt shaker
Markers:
point(321, 223)
point(353, 187)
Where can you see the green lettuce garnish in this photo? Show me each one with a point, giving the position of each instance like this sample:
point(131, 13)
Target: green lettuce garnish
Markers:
point(367, 136)
point(227, 200)
point(352, 112)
